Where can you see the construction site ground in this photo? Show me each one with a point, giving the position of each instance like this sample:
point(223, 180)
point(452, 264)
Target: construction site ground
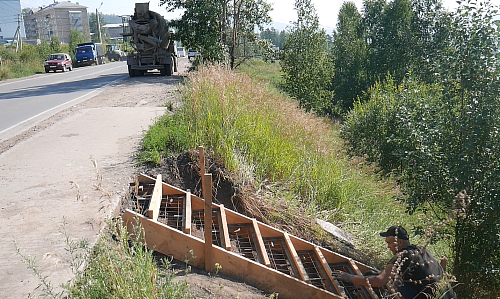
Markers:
point(66, 175)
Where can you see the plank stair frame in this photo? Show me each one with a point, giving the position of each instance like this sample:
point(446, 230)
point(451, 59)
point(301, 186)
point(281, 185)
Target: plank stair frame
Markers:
point(179, 244)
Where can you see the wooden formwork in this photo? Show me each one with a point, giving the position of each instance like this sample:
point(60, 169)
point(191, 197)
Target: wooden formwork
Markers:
point(175, 224)
point(246, 249)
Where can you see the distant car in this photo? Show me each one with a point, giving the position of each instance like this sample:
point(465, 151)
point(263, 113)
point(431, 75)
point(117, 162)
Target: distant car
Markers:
point(58, 61)
point(192, 54)
point(181, 52)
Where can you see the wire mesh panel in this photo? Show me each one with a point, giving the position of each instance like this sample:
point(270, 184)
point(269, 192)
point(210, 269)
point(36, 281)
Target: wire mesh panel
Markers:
point(141, 197)
point(352, 291)
point(314, 270)
point(242, 238)
point(172, 211)
point(198, 226)
point(279, 256)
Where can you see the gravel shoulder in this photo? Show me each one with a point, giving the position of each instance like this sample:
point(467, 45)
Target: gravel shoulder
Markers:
point(67, 174)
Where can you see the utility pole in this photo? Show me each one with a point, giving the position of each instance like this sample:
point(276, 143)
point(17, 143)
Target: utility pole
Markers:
point(98, 23)
point(17, 35)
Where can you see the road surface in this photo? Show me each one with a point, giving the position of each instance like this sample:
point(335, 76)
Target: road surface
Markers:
point(25, 101)
point(68, 162)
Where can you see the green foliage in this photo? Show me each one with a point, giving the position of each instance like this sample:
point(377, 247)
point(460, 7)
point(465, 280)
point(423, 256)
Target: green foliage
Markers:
point(444, 138)
point(75, 38)
point(121, 267)
point(167, 136)
point(26, 62)
point(388, 27)
point(350, 54)
point(199, 28)
point(222, 31)
point(55, 44)
point(305, 61)
point(94, 28)
point(275, 36)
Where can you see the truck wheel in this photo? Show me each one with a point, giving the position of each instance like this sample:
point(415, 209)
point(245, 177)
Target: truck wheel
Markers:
point(46, 70)
point(131, 72)
point(169, 68)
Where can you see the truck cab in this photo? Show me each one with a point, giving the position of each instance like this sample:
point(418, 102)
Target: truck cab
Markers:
point(89, 53)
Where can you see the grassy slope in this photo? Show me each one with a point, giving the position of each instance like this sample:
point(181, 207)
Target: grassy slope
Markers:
point(296, 159)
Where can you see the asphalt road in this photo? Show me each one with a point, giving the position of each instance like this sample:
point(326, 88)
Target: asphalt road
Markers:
point(26, 101)
point(64, 175)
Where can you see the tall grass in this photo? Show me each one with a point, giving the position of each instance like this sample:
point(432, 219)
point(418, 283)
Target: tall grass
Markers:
point(255, 128)
point(120, 267)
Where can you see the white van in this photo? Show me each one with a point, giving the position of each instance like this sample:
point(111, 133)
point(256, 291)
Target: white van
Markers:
point(181, 52)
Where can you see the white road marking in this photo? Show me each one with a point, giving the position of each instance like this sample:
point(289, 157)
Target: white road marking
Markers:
point(96, 91)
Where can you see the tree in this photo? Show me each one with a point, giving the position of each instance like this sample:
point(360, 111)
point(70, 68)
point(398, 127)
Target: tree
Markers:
point(75, 38)
point(350, 55)
point(276, 37)
point(245, 15)
point(305, 61)
point(442, 139)
point(94, 28)
point(469, 68)
point(388, 27)
point(55, 44)
point(219, 28)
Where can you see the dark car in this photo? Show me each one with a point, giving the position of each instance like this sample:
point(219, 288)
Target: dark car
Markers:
point(58, 61)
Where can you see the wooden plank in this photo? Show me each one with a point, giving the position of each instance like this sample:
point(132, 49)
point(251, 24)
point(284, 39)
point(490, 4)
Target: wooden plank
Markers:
point(260, 244)
point(207, 195)
point(201, 153)
point(328, 271)
point(172, 242)
point(154, 204)
point(354, 267)
point(295, 258)
point(167, 240)
point(189, 214)
point(267, 279)
point(225, 230)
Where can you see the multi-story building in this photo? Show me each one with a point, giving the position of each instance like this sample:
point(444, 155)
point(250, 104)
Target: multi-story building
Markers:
point(56, 19)
point(115, 30)
point(10, 19)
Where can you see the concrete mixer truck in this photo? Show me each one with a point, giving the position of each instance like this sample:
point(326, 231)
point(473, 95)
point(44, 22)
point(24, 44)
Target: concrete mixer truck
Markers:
point(150, 39)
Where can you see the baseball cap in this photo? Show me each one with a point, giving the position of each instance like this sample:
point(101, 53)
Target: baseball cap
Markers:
point(396, 231)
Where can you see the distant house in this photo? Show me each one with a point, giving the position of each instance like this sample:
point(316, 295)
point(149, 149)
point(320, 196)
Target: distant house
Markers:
point(56, 19)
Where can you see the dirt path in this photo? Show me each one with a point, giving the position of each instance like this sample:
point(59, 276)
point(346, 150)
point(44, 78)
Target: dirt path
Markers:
point(68, 173)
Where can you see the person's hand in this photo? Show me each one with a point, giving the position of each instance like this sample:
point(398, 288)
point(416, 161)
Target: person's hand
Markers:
point(343, 276)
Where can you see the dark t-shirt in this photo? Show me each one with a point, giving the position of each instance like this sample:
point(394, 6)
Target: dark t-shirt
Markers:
point(418, 273)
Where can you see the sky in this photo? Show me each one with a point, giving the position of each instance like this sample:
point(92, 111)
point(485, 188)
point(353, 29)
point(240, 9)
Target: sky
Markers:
point(283, 10)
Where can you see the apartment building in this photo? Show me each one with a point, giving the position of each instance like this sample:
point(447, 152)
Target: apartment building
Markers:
point(10, 16)
point(56, 19)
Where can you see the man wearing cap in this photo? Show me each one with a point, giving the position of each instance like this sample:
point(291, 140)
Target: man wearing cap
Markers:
point(414, 271)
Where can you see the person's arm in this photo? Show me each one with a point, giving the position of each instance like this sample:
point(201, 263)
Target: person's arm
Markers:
point(375, 281)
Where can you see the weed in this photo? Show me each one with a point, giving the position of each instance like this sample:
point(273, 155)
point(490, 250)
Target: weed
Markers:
point(45, 285)
point(121, 267)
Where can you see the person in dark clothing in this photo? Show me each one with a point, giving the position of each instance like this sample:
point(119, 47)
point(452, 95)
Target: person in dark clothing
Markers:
point(415, 273)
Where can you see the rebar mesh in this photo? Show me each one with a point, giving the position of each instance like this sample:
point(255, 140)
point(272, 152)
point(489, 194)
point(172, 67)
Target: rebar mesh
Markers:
point(279, 256)
point(172, 211)
point(242, 241)
point(198, 226)
point(314, 270)
point(352, 291)
point(141, 197)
